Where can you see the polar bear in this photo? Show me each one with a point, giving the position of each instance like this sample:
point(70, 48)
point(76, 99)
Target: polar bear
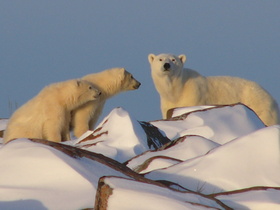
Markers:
point(179, 87)
point(110, 82)
point(47, 115)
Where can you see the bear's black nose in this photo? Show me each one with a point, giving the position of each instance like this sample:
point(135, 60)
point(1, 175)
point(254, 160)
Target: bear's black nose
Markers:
point(166, 66)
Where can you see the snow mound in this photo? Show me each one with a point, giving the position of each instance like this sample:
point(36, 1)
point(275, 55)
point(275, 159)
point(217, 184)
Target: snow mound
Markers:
point(184, 148)
point(146, 196)
point(41, 177)
point(267, 197)
point(252, 160)
point(219, 123)
point(118, 136)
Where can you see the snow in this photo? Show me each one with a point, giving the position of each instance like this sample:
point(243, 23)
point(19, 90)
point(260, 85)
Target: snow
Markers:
point(257, 199)
point(184, 110)
point(34, 172)
point(3, 124)
point(219, 156)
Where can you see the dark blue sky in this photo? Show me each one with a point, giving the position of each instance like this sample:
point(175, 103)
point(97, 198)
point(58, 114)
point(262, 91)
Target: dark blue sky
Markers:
point(43, 42)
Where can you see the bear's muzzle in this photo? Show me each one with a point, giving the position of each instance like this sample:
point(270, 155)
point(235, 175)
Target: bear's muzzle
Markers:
point(166, 66)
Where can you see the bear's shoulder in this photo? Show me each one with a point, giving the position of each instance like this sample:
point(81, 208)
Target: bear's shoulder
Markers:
point(191, 74)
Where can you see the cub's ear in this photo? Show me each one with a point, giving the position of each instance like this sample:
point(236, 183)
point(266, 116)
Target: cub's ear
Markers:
point(151, 57)
point(78, 82)
point(183, 58)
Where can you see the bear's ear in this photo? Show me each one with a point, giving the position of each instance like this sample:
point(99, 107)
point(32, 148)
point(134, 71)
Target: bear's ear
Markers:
point(151, 57)
point(122, 70)
point(183, 58)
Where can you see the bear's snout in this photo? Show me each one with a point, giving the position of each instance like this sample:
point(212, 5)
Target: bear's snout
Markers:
point(137, 85)
point(166, 66)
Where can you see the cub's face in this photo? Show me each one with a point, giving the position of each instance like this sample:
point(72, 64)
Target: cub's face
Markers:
point(166, 64)
point(129, 82)
point(87, 91)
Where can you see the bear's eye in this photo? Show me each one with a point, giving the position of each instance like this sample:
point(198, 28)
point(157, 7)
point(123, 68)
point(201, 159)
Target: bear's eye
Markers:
point(173, 59)
point(90, 87)
point(160, 59)
point(131, 76)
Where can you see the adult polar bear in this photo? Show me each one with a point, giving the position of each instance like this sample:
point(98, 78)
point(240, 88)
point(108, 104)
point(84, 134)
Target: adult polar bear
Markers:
point(110, 82)
point(47, 115)
point(179, 87)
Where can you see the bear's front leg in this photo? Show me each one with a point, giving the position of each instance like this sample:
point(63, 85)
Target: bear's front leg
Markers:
point(80, 119)
point(96, 112)
point(65, 131)
point(52, 131)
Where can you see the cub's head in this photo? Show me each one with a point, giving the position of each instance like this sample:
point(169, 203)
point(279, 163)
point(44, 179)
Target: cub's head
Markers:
point(86, 91)
point(166, 64)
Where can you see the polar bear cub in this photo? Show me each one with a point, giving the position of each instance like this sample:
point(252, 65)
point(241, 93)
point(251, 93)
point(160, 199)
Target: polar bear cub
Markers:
point(110, 82)
point(179, 87)
point(47, 115)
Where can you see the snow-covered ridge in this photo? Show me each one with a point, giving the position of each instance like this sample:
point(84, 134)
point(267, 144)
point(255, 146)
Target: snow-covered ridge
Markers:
point(203, 157)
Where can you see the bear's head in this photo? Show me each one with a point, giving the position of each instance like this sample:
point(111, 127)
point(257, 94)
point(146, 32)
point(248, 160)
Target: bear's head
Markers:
point(86, 91)
point(128, 81)
point(113, 81)
point(166, 64)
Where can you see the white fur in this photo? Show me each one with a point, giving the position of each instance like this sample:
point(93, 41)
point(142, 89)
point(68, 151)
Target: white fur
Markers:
point(179, 87)
point(111, 82)
point(47, 115)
